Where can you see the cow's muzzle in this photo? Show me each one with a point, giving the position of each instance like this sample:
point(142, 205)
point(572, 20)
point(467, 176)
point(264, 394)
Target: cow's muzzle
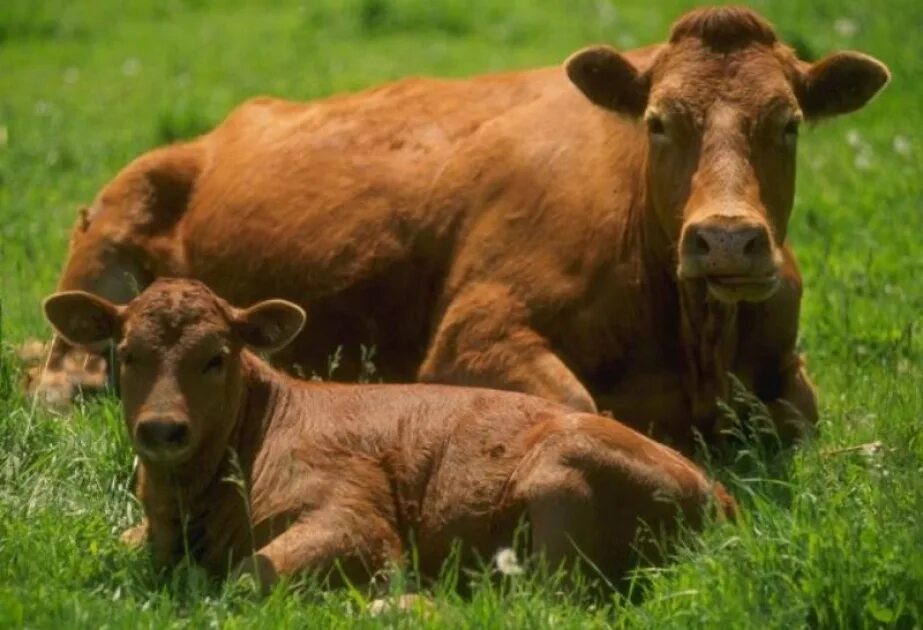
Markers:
point(736, 257)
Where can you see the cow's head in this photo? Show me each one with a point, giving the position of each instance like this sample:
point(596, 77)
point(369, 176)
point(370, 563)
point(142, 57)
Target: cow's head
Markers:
point(722, 102)
point(180, 353)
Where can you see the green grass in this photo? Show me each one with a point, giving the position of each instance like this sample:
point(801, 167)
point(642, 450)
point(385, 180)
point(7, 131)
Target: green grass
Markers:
point(829, 538)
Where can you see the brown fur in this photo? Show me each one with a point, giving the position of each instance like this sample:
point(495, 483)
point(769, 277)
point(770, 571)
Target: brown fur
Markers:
point(350, 474)
point(504, 231)
point(723, 28)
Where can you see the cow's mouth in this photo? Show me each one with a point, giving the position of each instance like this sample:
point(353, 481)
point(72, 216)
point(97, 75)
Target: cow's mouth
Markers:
point(742, 288)
point(164, 455)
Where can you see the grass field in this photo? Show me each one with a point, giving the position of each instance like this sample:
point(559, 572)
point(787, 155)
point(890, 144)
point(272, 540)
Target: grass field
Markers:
point(831, 537)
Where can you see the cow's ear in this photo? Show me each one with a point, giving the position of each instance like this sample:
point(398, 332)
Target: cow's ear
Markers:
point(609, 80)
point(83, 319)
point(270, 325)
point(840, 83)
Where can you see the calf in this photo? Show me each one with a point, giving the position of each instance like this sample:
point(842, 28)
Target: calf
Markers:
point(348, 475)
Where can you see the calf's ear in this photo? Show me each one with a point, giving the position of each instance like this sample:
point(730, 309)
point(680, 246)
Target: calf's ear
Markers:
point(81, 318)
point(270, 325)
point(609, 80)
point(840, 83)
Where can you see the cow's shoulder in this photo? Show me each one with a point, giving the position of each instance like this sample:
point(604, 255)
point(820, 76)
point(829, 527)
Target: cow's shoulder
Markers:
point(541, 174)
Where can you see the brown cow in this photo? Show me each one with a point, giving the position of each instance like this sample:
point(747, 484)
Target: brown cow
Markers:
point(618, 245)
point(352, 473)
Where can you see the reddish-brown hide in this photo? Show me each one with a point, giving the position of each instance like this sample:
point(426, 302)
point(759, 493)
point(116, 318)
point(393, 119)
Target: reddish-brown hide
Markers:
point(618, 245)
point(352, 473)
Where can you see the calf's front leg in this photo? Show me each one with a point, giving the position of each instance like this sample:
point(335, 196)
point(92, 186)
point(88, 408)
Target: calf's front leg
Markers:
point(333, 545)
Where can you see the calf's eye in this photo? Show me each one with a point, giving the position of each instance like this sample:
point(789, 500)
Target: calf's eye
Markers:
point(791, 130)
point(214, 364)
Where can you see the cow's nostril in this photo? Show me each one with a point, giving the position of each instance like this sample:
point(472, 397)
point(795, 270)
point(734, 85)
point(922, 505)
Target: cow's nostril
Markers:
point(700, 245)
point(757, 244)
point(175, 434)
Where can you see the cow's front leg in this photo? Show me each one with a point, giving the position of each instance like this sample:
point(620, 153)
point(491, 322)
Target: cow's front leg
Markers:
point(794, 411)
point(484, 339)
point(332, 545)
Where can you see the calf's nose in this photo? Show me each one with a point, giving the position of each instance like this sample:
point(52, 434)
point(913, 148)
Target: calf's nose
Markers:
point(727, 249)
point(162, 432)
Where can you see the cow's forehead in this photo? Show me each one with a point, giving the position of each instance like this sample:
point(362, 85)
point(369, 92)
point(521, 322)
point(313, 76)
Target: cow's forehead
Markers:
point(691, 76)
point(169, 310)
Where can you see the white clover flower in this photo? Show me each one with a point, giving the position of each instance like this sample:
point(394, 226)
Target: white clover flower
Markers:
point(131, 67)
point(507, 563)
point(845, 27)
point(864, 160)
point(872, 449)
point(853, 138)
point(902, 145)
point(606, 13)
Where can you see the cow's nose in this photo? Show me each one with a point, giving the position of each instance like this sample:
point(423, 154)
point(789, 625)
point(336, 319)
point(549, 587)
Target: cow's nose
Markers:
point(157, 433)
point(732, 249)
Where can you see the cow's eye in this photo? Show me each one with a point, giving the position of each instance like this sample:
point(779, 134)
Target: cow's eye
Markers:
point(126, 358)
point(791, 129)
point(214, 364)
point(655, 126)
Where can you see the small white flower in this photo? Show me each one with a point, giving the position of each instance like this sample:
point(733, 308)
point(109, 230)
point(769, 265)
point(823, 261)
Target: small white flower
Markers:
point(71, 75)
point(131, 67)
point(853, 138)
point(871, 449)
point(606, 12)
point(506, 562)
point(845, 27)
point(42, 108)
point(902, 145)
point(864, 161)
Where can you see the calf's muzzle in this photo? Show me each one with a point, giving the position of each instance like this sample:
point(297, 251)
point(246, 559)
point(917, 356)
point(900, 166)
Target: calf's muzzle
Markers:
point(162, 434)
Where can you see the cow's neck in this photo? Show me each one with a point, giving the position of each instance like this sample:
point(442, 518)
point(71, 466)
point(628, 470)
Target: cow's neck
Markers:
point(708, 332)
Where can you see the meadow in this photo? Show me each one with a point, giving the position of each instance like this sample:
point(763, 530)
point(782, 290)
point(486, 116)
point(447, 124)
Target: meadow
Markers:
point(831, 535)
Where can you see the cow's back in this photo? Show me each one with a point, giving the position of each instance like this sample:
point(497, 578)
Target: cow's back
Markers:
point(326, 204)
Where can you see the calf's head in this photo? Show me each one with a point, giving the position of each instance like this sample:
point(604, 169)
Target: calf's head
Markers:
point(722, 103)
point(180, 353)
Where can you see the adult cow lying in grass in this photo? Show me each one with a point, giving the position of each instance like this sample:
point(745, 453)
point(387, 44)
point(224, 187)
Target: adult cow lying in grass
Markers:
point(348, 473)
point(609, 235)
